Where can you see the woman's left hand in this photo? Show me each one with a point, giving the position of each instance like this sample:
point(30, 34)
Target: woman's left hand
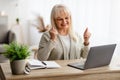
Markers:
point(86, 36)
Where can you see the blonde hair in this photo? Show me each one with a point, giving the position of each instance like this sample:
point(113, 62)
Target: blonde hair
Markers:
point(56, 12)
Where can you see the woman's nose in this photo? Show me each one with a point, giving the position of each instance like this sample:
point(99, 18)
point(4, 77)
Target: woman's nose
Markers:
point(64, 21)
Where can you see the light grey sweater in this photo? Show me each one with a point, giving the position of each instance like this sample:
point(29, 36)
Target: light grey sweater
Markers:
point(55, 50)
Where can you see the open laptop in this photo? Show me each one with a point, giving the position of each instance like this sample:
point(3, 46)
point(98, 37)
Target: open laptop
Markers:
point(98, 56)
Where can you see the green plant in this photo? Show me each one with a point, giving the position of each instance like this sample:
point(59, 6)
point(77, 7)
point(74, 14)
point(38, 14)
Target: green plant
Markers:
point(15, 51)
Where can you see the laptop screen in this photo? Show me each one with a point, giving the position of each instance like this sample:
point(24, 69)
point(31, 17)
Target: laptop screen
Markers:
point(100, 56)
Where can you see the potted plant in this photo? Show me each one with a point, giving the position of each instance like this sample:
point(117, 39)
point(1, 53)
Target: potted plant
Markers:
point(17, 53)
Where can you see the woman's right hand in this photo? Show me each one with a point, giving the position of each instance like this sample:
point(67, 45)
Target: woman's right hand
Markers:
point(53, 33)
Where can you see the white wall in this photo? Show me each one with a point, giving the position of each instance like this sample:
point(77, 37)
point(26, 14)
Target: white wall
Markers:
point(100, 16)
point(16, 9)
point(115, 22)
point(7, 7)
point(114, 25)
point(94, 14)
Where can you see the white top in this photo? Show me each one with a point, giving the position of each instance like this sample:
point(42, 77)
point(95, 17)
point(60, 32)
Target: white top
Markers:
point(66, 43)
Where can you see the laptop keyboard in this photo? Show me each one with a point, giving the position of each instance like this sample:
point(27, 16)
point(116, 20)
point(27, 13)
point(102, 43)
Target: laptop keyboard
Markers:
point(77, 65)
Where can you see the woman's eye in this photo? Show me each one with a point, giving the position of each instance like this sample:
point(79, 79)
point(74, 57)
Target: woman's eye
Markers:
point(66, 18)
point(59, 19)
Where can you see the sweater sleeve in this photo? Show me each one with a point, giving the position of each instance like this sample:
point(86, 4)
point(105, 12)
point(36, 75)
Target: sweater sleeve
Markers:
point(84, 51)
point(45, 47)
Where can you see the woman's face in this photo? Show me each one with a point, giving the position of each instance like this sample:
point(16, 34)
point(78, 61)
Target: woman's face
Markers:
point(62, 21)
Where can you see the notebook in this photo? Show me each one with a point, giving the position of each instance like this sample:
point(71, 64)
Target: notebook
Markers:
point(36, 64)
point(98, 56)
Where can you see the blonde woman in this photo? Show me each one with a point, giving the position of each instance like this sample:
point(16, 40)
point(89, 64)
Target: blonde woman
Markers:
point(60, 42)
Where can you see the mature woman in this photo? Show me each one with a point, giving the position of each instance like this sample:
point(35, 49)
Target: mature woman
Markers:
point(61, 42)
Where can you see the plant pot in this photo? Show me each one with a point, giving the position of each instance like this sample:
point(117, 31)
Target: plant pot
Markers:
point(18, 66)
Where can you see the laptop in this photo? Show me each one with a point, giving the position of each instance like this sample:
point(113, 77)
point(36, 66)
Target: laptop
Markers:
point(98, 56)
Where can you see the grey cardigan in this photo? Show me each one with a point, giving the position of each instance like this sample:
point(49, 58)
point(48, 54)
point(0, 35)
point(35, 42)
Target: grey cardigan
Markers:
point(55, 50)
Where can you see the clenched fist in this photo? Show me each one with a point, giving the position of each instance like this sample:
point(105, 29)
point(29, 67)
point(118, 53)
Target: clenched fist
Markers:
point(53, 33)
point(86, 36)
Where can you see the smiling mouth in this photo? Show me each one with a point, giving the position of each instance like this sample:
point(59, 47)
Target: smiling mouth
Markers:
point(63, 25)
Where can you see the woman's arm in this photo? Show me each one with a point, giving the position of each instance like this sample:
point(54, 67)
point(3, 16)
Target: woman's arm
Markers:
point(84, 51)
point(46, 45)
point(84, 48)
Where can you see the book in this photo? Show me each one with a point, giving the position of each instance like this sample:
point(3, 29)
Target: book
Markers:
point(37, 64)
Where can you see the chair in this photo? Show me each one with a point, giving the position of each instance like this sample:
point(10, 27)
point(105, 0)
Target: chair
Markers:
point(6, 36)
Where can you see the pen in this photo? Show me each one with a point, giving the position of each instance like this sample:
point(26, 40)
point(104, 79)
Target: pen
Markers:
point(44, 63)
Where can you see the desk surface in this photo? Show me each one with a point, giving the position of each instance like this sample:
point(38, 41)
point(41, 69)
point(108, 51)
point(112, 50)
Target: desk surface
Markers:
point(63, 73)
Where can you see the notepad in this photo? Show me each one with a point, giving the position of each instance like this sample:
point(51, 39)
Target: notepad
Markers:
point(36, 64)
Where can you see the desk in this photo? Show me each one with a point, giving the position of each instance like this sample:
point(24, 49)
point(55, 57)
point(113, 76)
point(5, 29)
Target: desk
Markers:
point(63, 73)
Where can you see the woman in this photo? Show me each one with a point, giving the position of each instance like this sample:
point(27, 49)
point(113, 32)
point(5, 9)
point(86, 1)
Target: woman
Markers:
point(61, 42)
